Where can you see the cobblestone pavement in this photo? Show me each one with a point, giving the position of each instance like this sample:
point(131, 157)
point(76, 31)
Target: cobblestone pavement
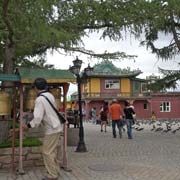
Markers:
point(150, 156)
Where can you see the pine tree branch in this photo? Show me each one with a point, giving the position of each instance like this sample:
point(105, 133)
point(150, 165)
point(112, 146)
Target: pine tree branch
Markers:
point(174, 31)
point(105, 55)
point(7, 22)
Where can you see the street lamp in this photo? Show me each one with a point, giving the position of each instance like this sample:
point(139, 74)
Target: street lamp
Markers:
point(88, 70)
point(75, 69)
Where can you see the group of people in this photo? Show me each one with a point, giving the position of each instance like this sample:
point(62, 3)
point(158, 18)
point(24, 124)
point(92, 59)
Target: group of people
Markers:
point(115, 113)
point(45, 114)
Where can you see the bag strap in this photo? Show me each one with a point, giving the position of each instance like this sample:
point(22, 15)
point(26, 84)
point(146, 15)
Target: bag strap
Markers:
point(55, 109)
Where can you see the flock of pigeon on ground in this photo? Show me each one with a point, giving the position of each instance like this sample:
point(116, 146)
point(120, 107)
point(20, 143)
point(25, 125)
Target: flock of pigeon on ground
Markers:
point(165, 126)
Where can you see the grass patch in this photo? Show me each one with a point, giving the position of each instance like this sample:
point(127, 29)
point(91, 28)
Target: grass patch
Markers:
point(27, 142)
point(10, 124)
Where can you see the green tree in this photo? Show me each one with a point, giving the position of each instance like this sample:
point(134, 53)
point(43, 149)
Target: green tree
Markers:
point(162, 22)
point(168, 81)
point(29, 28)
point(162, 18)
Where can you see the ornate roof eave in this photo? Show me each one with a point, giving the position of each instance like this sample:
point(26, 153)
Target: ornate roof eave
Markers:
point(106, 74)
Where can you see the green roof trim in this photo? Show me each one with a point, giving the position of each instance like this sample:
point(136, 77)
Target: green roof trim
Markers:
point(9, 77)
point(51, 75)
point(107, 69)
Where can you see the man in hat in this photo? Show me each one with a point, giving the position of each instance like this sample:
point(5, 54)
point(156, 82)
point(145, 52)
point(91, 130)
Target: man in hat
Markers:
point(44, 114)
point(116, 114)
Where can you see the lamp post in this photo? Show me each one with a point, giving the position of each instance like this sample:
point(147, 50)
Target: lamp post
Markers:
point(75, 69)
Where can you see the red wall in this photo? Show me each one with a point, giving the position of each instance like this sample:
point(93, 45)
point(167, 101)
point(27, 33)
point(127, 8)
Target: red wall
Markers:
point(140, 111)
point(153, 105)
point(175, 106)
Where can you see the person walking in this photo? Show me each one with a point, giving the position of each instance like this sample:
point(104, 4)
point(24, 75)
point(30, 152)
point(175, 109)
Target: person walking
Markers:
point(128, 112)
point(83, 114)
point(116, 114)
point(104, 116)
point(93, 115)
point(45, 115)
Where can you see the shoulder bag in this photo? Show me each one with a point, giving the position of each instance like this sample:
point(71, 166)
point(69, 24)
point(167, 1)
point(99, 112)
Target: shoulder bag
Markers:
point(60, 116)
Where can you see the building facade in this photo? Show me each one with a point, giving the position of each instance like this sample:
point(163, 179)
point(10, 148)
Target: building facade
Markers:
point(107, 82)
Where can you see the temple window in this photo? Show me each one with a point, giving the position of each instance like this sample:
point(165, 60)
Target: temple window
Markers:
point(145, 106)
point(165, 106)
point(112, 84)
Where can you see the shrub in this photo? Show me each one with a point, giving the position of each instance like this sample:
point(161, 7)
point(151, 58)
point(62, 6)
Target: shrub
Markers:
point(27, 142)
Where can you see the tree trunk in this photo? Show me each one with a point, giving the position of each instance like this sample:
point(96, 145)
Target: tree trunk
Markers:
point(7, 69)
point(8, 61)
point(9, 56)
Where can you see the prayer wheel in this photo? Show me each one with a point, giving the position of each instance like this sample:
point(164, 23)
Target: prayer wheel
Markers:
point(5, 103)
point(30, 99)
point(56, 92)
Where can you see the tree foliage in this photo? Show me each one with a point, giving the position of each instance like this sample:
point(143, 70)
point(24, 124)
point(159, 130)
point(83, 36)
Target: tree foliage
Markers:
point(161, 28)
point(162, 18)
point(31, 27)
point(34, 26)
point(168, 81)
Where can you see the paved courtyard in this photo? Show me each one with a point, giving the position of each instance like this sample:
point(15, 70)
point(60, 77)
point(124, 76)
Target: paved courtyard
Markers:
point(150, 155)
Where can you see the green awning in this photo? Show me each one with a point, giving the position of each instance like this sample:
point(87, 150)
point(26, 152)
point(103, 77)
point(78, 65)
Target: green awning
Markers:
point(9, 77)
point(28, 75)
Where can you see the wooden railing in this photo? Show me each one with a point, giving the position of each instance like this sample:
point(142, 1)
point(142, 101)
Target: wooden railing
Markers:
point(97, 95)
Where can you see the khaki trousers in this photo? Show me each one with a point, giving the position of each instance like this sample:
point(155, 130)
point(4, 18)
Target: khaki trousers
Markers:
point(49, 152)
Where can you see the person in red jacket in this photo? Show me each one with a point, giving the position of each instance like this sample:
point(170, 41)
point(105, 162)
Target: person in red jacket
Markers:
point(116, 114)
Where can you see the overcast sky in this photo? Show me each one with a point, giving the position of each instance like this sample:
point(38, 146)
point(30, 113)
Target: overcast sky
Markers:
point(146, 61)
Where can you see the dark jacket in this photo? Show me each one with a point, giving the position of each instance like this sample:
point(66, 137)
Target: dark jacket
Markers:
point(128, 112)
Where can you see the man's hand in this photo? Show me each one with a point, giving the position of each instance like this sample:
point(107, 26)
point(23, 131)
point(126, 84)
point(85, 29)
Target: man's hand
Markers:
point(25, 127)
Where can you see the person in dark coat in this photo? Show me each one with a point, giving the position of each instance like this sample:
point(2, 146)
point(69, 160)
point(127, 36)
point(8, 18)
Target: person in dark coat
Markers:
point(104, 116)
point(128, 113)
